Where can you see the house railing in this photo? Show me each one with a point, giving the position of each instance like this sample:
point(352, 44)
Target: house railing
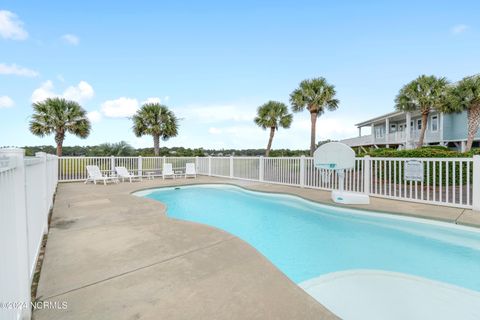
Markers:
point(451, 182)
point(27, 187)
point(359, 141)
point(398, 137)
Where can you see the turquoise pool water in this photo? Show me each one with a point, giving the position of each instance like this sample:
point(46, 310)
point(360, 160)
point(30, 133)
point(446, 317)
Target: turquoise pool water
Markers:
point(306, 240)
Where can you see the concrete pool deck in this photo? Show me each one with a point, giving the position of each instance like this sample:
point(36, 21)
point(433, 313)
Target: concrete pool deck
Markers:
point(111, 255)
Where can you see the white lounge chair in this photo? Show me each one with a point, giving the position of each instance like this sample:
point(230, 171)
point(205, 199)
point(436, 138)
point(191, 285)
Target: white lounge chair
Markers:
point(167, 171)
point(94, 175)
point(123, 173)
point(190, 170)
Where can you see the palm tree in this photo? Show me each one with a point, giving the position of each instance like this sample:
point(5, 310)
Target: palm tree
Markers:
point(316, 95)
point(273, 115)
point(465, 95)
point(59, 116)
point(424, 94)
point(156, 120)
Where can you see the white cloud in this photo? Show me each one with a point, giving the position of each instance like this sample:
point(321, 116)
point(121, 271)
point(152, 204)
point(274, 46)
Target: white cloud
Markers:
point(328, 127)
point(217, 113)
point(81, 92)
point(94, 116)
point(214, 130)
point(6, 102)
point(13, 69)
point(120, 108)
point(152, 100)
point(248, 135)
point(43, 92)
point(459, 28)
point(156, 100)
point(71, 39)
point(11, 27)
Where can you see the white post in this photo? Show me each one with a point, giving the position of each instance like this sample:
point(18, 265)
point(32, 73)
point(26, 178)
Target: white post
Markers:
point(302, 171)
point(112, 164)
point(373, 132)
point(196, 163)
point(476, 184)
point(45, 195)
point(359, 131)
point(18, 241)
point(261, 168)
point(231, 166)
point(387, 131)
point(366, 174)
point(140, 166)
point(164, 160)
point(408, 130)
point(209, 166)
point(440, 127)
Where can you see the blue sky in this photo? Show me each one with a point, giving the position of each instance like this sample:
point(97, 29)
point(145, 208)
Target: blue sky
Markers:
point(214, 62)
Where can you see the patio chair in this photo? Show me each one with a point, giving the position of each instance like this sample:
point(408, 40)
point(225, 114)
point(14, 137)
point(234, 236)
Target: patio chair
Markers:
point(190, 170)
point(123, 173)
point(167, 171)
point(94, 175)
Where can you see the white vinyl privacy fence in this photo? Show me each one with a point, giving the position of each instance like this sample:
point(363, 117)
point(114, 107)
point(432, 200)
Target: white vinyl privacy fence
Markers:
point(444, 181)
point(27, 187)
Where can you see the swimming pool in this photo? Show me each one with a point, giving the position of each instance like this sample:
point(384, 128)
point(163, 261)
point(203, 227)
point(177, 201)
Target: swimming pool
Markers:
point(306, 240)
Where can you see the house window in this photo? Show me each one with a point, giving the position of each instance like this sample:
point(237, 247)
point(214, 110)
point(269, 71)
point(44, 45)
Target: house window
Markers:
point(401, 127)
point(419, 124)
point(412, 127)
point(379, 132)
point(393, 127)
point(434, 123)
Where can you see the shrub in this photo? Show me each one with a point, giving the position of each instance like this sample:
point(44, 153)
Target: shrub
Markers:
point(425, 152)
point(386, 168)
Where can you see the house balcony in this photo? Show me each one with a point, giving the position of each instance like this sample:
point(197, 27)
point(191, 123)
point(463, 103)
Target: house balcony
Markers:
point(358, 141)
point(394, 138)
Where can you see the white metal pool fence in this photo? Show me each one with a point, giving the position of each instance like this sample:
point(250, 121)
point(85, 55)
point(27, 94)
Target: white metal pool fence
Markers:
point(451, 182)
point(27, 187)
point(28, 184)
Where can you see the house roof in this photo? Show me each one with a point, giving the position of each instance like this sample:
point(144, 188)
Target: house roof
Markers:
point(382, 117)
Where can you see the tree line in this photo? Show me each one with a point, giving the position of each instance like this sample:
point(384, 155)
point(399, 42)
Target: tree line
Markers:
point(58, 116)
point(123, 149)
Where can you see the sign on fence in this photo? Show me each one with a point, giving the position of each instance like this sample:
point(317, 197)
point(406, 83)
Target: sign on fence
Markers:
point(413, 170)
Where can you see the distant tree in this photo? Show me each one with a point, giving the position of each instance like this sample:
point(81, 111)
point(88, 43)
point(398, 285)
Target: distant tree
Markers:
point(465, 96)
point(118, 149)
point(424, 94)
point(59, 116)
point(30, 151)
point(319, 143)
point(273, 115)
point(315, 95)
point(156, 120)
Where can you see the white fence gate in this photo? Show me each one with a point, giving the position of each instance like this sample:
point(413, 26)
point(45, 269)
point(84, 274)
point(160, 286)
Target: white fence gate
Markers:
point(27, 186)
point(445, 181)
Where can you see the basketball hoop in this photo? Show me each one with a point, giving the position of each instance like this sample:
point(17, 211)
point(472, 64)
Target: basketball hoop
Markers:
point(337, 157)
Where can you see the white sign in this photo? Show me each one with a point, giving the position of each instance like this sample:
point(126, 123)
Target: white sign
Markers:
point(413, 170)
